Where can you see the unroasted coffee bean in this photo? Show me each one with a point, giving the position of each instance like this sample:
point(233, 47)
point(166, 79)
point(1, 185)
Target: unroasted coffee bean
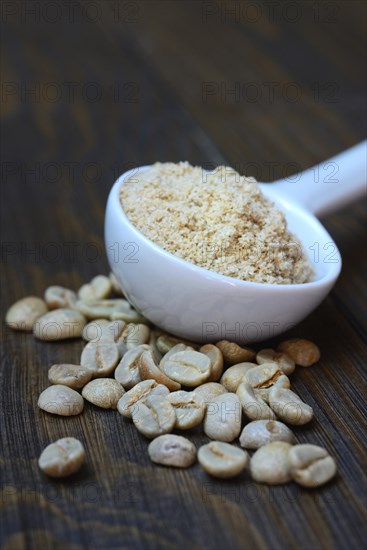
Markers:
point(92, 332)
point(172, 351)
point(233, 376)
point(58, 296)
point(216, 361)
point(24, 313)
point(116, 331)
point(148, 370)
point(189, 409)
point(103, 392)
point(127, 371)
point(130, 316)
point(73, 376)
point(253, 406)
point(285, 363)
point(270, 463)
point(303, 352)
point(233, 353)
point(310, 465)
point(281, 382)
point(62, 458)
point(172, 450)
point(103, 309)
point(61, 400)
point(166, 342)
point(100, 358)
point(135, 335)
point(140, 393)
point(208, 391)
point(189, 368)
point(263, 376)
point(222, 460)
point(99, 288)
point(289, 407)
point(223, 418)
point(261, 432)
point(154, 416)
point(103, 329)
point(59, 324)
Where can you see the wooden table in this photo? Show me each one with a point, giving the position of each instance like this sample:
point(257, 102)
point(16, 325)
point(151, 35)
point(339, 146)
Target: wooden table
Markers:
point(93, 88)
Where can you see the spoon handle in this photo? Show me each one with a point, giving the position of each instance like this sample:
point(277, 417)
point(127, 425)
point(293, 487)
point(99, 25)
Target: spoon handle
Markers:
point(330, 185)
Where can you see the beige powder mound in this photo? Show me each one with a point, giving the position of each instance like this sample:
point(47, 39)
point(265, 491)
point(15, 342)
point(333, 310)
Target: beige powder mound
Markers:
point(220, 221)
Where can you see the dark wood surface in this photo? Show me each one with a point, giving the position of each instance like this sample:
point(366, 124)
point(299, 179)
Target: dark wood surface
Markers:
point(162, 72)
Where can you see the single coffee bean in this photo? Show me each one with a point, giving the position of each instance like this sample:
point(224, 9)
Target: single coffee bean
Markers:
point(135, 335)
point(189, 409)
point(233, 376)
point(216, 361)
point(92, 332)
point(189, 368)
point(172, 351)
point(154, 416)
point(261, 432)
point(61, 400)
point(263, 376)
point(99, 288)
point(103, 329)
point(140, 393)
point(59, 324)
point(208, 391)
point(148, 370)
point(285, 363)
point(281, 382)
point(103, 392)
point(289, 407)
point(270, 463)
point(222, 460)
point(172, 450)
point(233, 353)
point(58, 296)
point(117, 331)
point(62, 458)
point(73, 376)
point(303, 352)
point(103, 309)
point(127, 371)
point(310, 465)
point(100, 357)
point(130, 316)
point(223, 417)
point(165, 342)
point(253, 406)
point(24, 313)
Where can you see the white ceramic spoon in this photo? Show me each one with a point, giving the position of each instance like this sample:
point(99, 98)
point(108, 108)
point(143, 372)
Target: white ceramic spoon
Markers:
point(201, 305)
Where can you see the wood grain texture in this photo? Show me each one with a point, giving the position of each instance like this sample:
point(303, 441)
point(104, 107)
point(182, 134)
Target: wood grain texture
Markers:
point(150, 62)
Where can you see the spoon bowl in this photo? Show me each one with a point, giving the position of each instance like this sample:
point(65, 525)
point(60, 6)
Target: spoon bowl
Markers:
point(200, 305)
